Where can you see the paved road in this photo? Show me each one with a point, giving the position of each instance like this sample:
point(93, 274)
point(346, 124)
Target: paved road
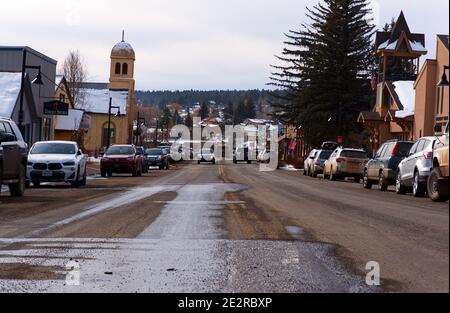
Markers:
point(225, 228)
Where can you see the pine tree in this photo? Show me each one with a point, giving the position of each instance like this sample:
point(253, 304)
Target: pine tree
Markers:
point(166, 119)
point(229, 113)
point(189, 122)
point(176, 118)
point(204, 110)
point(326, 69)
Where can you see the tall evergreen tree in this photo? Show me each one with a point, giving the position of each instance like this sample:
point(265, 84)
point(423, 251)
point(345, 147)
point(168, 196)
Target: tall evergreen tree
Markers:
point(204, 110)
point(176, 118)
point(229, 113)
point(325, 76)
point(188, 121)
point(166, 119)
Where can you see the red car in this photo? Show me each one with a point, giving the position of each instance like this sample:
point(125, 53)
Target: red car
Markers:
point(121, 159)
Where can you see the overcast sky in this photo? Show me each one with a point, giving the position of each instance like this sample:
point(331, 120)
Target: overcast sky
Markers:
point(184, 44)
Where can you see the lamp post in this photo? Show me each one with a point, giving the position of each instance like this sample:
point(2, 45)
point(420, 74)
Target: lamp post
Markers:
point(36, 81)
point(444, 81)
point(109, 120)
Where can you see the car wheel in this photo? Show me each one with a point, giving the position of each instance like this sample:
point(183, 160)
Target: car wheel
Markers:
point(103, 174)
point(198, 162)
point(381, 184)
point(357, 179)
point(36, 184)
point(168, 166)
point(84, 180)
point(433, 186)
point(110, 174)
point(400, 189)
point(18, 189)
point(418, 188)
point(305, 173)
point(367, 183)
point(76, 183)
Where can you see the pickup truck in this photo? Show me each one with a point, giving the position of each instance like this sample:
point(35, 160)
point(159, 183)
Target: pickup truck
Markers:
point(13, 157)
point(438, 180)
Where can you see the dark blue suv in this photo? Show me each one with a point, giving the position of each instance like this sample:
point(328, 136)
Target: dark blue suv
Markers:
point(382, 169)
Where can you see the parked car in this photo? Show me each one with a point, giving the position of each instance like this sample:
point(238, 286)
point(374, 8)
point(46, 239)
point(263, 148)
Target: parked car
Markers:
point(13, 157)
point(438, 180)
point(157, 157)
point(346, 163)
point(308, 162)
point(141, 151)
point(414, 170)
point(382, 169)
point(121, 159)
point(206, 155)
point(56, 161)
point(319, 162)
point(242, 154)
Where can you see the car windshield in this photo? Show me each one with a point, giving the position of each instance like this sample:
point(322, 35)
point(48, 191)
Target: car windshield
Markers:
point(325, 155)
point(155, 152)
point(354, 154)
point(207, 151)
point(120, 150)
point(53, 148)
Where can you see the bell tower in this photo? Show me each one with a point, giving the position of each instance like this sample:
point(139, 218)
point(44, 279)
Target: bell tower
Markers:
point(122, 66)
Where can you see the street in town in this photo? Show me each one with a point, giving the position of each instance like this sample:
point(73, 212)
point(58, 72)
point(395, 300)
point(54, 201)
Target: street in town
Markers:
point(220, 228)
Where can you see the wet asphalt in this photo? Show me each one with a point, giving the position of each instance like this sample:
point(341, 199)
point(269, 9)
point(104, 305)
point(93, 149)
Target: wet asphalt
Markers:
point(185, 249)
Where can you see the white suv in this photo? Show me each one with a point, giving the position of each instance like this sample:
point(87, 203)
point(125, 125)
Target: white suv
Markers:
point(56, 161)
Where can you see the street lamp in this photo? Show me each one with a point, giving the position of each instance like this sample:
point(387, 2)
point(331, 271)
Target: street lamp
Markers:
point(444, 81)
point(36, 81)
point(109, 120)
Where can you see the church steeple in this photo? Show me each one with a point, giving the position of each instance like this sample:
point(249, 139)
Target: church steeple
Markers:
point(122, 65)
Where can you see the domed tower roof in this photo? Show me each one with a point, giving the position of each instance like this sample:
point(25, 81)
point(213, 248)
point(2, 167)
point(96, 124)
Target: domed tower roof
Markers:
point(123, 50)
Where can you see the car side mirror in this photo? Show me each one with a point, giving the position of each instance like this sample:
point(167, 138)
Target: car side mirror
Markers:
point(7, 137)
point(79, 153)
point(437, 128)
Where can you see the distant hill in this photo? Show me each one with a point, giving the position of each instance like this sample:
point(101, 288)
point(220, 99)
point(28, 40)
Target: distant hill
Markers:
point(189, 98)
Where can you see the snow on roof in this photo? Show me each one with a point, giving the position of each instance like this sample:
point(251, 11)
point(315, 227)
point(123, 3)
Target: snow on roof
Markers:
point(417, 46)
point(9, 92)
point(406, 94)
point(123, 46)
point(388, 46)
point(97, 100)
point(58, 81)
point(70, 122)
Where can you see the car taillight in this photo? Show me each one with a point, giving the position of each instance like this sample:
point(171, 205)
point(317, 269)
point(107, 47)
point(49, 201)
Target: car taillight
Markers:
point(394, 150)
point(340, 160)
point(428, 155)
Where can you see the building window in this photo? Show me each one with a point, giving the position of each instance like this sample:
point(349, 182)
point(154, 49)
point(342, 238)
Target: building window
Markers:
point(62, 98)
point(125, 69)
point(438, 99)
point(117, 68)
